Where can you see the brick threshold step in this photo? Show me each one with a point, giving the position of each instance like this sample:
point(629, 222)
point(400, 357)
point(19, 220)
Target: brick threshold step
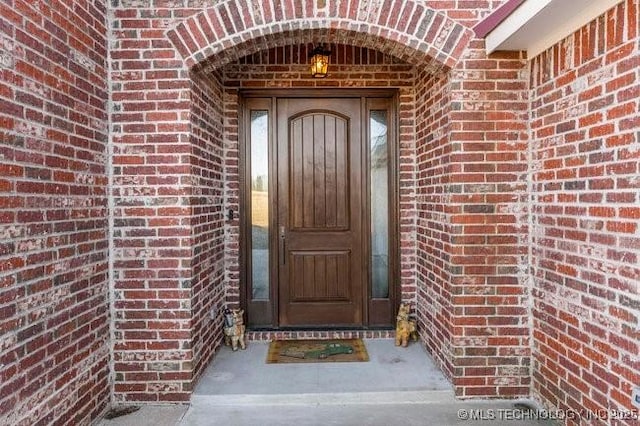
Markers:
point(268, 335)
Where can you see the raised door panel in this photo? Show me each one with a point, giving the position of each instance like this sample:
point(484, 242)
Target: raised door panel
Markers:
point(319, 276)
point(319, 165)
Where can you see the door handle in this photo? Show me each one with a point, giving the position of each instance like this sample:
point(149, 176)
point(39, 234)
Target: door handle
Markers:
point(283, 245)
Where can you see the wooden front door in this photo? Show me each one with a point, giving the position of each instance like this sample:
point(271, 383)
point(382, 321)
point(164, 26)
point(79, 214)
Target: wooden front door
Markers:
point(319, 208)
point(319, 226)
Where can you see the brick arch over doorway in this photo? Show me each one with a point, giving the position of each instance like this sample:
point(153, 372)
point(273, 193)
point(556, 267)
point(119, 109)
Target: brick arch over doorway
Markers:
point(405, 29)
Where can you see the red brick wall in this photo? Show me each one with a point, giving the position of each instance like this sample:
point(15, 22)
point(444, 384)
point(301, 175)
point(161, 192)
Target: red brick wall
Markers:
point(434, 306)
point(488, 219)
point(472, 222)
point(168, 216)
point(208, 217)
point(155, 224)
point(54, 325)
point(586, 218)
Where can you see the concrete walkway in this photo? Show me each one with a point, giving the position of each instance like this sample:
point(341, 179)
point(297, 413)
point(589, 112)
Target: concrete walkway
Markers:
point(398, 386)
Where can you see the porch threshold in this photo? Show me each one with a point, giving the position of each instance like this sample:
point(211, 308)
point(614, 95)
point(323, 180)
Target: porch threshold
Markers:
point(319, 334)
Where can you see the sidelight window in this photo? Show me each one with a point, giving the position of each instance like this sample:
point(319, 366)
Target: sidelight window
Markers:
point(259, 205)
point(379, 169)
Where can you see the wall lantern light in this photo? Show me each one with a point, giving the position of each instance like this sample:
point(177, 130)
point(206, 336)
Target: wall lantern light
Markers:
point(320, 62)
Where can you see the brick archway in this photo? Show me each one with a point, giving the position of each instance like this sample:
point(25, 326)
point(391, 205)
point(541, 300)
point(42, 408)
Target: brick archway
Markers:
point(405, 29)
point(231, 30)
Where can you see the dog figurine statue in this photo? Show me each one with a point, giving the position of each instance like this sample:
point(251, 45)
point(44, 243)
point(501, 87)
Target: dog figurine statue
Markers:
point(405, 328)
point(234, 329)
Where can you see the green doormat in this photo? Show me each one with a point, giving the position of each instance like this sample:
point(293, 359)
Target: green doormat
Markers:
point(341, 350)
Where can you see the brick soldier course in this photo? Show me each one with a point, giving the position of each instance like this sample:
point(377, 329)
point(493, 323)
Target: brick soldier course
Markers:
point(519, 192)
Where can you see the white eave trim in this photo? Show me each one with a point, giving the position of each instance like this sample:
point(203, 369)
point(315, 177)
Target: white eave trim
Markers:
point(537, 25)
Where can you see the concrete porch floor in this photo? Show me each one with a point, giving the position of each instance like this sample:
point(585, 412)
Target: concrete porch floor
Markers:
point(397, 386)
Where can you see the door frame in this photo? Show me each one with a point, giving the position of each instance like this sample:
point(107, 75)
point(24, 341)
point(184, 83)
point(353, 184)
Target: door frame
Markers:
point(263, 315)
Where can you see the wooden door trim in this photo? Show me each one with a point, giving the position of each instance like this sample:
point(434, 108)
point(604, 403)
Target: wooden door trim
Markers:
point(271, 95)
